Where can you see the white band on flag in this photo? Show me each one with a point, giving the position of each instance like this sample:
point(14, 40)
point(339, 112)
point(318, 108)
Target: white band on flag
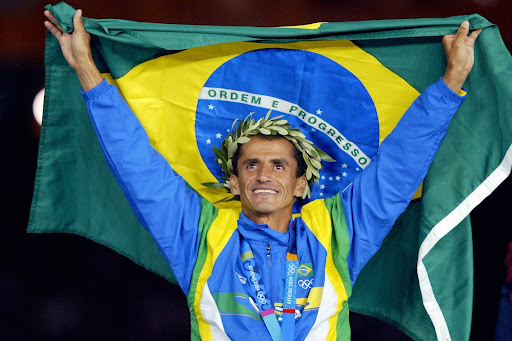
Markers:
point(274, 103)
point(442, 228)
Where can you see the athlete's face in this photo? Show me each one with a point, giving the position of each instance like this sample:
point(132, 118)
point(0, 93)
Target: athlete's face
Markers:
point(267, 181)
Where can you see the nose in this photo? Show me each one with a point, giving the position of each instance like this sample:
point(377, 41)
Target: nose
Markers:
point(264, 174)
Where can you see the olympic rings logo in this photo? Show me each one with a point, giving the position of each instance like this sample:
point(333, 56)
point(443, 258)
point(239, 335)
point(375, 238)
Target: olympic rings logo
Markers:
point(291, 269)
point(305, 283)
point(261, 297)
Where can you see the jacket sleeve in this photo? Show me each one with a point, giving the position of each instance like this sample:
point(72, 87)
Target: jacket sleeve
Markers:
point(384, 189)
point(159, 198)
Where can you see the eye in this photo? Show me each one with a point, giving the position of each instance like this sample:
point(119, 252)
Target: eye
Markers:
point(251, 166)
point(280, 167)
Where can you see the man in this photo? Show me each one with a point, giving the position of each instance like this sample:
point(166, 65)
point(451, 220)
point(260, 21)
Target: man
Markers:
point(260, 273)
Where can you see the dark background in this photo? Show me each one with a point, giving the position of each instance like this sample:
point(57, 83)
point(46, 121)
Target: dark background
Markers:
point(65, 287)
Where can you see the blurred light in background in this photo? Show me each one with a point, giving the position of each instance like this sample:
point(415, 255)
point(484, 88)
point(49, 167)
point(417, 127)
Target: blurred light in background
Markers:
point(37, 106)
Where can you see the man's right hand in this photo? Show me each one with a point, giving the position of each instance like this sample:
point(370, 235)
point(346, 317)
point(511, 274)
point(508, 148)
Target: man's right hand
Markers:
point(76, 49)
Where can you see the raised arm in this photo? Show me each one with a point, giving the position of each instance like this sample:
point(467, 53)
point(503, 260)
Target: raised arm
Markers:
point(76, 49)
point(159, 198)
point(460, 56)
point(383, 191)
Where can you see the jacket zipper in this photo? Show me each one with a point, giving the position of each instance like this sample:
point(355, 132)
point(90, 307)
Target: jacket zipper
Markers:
point(268, 256)
point(269, 265)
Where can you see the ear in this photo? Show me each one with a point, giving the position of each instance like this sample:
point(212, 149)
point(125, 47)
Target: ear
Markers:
point(302, 182)
point(233, 184)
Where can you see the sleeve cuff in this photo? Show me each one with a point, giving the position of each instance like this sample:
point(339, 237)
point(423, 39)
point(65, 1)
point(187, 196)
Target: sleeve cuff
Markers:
point(96, 91)
point(448, 93)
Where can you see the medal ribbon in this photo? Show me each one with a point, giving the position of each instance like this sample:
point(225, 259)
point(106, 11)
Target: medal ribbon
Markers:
point(264, 304)
point(289, 297)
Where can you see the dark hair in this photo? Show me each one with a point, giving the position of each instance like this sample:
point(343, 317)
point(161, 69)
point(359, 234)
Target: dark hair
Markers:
point(301, 164)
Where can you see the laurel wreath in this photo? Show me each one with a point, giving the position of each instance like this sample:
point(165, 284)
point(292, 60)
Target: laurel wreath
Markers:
point(248, 127)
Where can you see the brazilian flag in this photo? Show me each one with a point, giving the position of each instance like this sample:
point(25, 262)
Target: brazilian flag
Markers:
point(345, 85)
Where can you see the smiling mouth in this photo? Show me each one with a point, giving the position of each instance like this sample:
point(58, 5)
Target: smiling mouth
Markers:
point(264, 191)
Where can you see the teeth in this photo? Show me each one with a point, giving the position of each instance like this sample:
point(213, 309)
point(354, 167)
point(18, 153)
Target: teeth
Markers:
point(264, 191)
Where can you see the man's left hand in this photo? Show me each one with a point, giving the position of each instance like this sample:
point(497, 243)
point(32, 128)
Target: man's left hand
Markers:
point(460, 56)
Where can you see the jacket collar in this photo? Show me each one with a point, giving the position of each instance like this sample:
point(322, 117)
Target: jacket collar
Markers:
point(261, 232)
